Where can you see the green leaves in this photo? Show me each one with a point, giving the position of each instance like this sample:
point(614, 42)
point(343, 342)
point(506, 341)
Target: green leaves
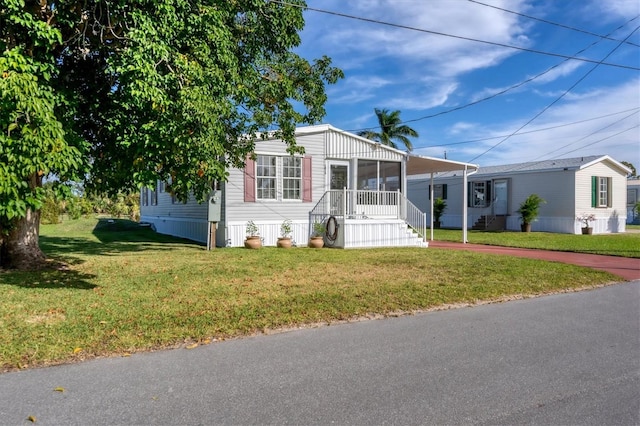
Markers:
point(126, 93)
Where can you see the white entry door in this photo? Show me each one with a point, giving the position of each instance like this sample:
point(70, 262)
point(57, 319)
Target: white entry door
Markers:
point(338, 177)
point(500, 197)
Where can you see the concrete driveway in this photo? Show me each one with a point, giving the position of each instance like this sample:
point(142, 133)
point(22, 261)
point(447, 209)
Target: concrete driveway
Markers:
point(562, 359)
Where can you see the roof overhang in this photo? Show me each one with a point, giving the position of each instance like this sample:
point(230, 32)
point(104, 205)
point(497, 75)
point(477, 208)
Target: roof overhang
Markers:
point(419, 165)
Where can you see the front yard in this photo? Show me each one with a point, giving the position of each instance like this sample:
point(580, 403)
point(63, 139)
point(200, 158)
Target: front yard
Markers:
point(126, 289)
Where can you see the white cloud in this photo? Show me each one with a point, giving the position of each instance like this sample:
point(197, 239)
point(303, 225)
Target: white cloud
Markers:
point(615, 135)
point(346, 38)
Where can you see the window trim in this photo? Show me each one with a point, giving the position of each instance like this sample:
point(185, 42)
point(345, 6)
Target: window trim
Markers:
point(251, 179)
point(601, 192)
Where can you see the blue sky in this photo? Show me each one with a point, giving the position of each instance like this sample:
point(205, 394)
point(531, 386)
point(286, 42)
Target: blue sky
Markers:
point(424, 74)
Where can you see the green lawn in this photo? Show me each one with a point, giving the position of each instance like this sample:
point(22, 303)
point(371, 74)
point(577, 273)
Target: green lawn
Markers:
point(126, 289)
point(623, 244)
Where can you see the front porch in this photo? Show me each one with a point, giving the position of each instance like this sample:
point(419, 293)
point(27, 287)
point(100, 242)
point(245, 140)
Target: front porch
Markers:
point(362, 218)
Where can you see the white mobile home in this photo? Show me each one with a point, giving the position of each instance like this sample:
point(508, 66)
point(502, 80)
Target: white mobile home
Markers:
point(355, 185)
point(633, 196)
point(571, 187)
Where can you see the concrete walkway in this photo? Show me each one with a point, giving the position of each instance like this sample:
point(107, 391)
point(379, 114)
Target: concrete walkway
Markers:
point(624, 267)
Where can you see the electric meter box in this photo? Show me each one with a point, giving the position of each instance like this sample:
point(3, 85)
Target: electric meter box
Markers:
point(215, 207)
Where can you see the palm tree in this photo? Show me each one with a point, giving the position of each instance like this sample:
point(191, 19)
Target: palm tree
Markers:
point(390, 130)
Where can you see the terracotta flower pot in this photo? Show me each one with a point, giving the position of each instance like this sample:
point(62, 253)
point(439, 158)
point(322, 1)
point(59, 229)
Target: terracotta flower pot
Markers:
point(253, 242)
point(316, 242)
point(284, 242)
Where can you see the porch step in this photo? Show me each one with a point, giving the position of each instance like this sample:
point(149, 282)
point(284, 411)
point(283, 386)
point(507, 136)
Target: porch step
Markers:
point(490, 223)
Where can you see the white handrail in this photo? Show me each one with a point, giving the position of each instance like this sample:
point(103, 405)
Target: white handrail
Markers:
point(354, 204)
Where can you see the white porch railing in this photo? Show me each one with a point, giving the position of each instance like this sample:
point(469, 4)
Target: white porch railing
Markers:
point(358, 204)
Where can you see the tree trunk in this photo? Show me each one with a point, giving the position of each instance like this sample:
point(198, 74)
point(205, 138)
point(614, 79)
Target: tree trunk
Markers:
point(20, 249)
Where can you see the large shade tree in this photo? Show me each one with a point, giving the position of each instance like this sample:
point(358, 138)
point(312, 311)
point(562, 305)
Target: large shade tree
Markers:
point(122, 93)
point(392, 131)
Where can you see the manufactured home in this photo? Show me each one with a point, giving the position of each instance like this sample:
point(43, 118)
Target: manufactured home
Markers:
point(633, 197)
point(571, 187)
point(356, 186)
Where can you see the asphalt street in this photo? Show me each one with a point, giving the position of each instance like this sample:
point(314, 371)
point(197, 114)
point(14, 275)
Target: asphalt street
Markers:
point(569, 358)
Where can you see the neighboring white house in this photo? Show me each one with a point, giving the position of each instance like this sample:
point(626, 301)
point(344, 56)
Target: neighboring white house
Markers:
point(358, 183)
point(571, 187)
point(633, 196)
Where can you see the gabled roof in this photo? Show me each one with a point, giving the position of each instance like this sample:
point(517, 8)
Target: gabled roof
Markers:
point(416, 164)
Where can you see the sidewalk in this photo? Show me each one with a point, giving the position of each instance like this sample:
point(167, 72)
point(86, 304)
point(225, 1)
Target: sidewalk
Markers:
point(624, 267)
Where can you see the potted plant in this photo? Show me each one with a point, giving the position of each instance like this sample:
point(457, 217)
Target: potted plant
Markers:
point(585, 219)
point(284, 240)
point(253, 240)
point(317, 235)
point(439, 206)
point(529, 211)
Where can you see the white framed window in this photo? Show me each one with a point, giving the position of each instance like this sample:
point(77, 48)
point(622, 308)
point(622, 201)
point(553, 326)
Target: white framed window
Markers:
point(479, 194)
point(273, 177)
point(278, 177)
point(291, 178)
point(601, 191)
point(266, 177)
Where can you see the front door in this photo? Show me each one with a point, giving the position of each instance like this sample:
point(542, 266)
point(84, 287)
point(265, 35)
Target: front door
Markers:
point(338, 175)
point(338, 179)
point(500, 197)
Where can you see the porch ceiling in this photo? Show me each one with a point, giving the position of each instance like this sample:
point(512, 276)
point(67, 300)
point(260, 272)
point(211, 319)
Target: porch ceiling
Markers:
point(419, 165)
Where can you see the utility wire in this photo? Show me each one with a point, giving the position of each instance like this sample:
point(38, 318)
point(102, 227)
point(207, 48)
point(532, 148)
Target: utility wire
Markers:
point(536, 130)
point(558, 24)
point(406, 27)
point(557, 99)
point(587, 136)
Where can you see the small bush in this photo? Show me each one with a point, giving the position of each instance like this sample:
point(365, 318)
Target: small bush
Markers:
point(50, 212)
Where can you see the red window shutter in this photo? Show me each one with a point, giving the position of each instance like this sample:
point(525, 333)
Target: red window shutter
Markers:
point(307, 195)
point(249, 181)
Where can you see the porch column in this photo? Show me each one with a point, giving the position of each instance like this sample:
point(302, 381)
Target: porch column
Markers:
point(464, 205)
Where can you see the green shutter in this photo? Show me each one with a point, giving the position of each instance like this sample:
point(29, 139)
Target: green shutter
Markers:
point(609, 192)
point(429, 192)
point(444, 191)
point(594, 191)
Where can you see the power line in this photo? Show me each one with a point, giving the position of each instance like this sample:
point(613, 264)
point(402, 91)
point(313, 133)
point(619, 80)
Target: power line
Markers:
point(406, 27)
point(558, 24)
point(557, 99)
point(538, 130)
point(589, 135)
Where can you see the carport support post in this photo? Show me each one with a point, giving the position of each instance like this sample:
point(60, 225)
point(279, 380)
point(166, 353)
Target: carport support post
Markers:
point(464, 205)
point(431, 205)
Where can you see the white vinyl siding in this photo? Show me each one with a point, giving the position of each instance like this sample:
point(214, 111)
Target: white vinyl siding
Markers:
point(267, 210)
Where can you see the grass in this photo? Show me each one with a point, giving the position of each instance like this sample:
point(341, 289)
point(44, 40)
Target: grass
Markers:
point(127, 289)
point(621, 244)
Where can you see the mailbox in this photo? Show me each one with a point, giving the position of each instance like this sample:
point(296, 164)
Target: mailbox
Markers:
point(215, 207)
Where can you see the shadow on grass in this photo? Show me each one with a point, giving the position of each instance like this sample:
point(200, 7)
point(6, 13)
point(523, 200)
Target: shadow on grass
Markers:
point(114, 236)
point(49, 279)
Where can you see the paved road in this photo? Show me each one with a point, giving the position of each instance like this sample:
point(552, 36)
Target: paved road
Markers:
point(562, 359)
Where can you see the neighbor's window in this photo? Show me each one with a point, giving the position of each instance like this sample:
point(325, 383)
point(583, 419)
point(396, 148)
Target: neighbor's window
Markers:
point(603, 191)
point(439, 191)
point(600, 191)
point(478, 195)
